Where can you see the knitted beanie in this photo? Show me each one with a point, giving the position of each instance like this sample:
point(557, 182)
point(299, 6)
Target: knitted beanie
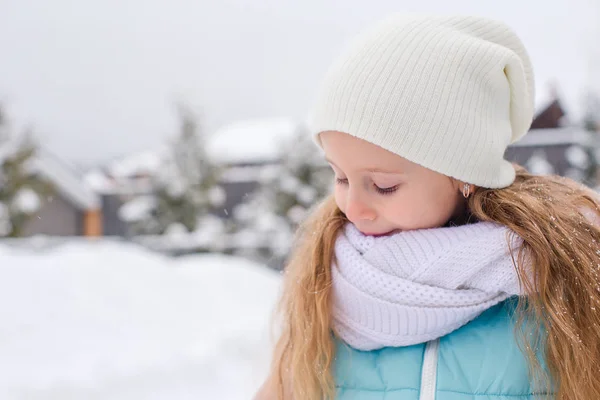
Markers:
point(448, 93)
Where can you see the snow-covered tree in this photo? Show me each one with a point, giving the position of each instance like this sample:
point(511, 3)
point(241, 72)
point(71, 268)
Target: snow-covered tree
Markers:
point(589, 157)
point(20, 188)
point(591, 119)
point(184, 190)
point(265, 223)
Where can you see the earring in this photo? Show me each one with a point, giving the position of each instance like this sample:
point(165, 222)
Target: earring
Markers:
point(466, 190)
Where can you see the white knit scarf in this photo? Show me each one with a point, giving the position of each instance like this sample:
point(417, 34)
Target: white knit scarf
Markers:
point(416, 286)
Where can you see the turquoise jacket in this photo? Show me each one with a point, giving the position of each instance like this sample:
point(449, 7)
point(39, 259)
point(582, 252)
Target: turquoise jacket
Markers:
point(480, 361)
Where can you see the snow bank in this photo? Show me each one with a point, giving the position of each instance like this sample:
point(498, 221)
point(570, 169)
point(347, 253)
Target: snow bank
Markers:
point(105, 320)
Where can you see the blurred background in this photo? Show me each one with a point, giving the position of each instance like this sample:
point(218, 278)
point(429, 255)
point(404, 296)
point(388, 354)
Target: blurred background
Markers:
point(155, 162)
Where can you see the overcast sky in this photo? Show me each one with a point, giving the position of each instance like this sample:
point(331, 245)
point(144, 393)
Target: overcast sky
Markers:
point(98, 78)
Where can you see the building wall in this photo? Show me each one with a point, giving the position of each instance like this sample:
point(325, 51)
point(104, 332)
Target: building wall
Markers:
point(92, 222)
point(556, 155)
point(56, 217)
point(112, 225)
point(236, 193)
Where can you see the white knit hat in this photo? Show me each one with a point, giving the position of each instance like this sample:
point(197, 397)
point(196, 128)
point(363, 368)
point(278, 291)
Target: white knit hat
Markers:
point(448, 93)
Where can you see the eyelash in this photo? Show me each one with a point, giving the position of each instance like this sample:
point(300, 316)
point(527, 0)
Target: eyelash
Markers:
point(379, 190)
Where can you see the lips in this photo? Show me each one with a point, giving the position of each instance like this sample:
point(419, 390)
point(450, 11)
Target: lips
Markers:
point(381, 234)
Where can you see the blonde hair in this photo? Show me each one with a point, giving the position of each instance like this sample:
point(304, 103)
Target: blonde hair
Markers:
point(561, 244)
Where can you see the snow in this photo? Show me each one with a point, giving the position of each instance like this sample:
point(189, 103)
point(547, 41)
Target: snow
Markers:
point(255, 173)
point(217, 196)
point(253, 141)
point(249, 173)
point(269, 230)
point(65, 179)
point(290, 184)
point(577, 157)
point(144, 163)
point(97, 181)
point(127, 175)
point(296, 214)
point(209, 234)
point(556, 136)
point(106, 320)
point(210, 230)
point(538, 164)
point(27, 201)
point(137, 208)
point(544, 98)
point(7, 148)
point(175, 185)
point(307, 194)
point(176, 231)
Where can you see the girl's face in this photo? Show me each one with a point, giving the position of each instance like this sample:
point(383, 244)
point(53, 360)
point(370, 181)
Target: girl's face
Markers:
point(381, 192)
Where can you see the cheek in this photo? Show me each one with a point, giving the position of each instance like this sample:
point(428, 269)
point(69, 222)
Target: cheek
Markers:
point(442, 204)
point(420, 207)
point(407, 209)
point(340, 197)
point(445, 206)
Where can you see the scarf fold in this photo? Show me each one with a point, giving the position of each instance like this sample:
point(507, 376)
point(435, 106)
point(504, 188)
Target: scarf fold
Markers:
point(416, 286)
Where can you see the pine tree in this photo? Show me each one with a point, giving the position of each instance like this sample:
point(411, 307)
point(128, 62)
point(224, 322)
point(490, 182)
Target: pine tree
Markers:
point(591, 122)
point(591, 119)
point(20, 187)
point(266, 222)
point(184, 191)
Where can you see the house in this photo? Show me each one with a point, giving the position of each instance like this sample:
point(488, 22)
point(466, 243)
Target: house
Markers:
point(245, 151)
point(553, 146)
point(248, 151)
point(120, 181)
point(72, 210)
point(550, 117)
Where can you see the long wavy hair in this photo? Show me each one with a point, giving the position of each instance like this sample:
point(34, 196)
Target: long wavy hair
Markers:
point(557, 220)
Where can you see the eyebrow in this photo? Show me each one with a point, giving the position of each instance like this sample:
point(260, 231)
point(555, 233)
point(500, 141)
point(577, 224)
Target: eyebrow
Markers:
point(376, 170)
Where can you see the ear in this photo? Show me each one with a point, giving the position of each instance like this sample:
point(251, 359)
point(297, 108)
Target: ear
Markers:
point(465, 189)
point(458, 185)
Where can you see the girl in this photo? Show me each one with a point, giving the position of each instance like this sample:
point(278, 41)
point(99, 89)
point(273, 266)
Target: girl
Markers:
point(438, 270)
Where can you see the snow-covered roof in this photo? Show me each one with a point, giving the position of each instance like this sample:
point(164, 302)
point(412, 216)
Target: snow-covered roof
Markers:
point(65, 179)
point(97, 181)
point(249, 173)
point(250, 141)
point(142, 163)
point(556, 136)
point(128, 174)
point(543, 99)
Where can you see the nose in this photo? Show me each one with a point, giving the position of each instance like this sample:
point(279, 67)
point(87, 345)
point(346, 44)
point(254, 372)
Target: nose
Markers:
point(357, 209)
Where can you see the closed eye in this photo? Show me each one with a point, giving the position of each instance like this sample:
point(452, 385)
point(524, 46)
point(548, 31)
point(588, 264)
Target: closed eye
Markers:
point(388, 190)
point(384, 191)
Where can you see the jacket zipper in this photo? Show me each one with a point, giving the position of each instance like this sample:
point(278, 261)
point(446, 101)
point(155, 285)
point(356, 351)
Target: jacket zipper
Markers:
point(429, 371)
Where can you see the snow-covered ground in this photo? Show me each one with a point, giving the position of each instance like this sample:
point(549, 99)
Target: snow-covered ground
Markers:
point(105, 320)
